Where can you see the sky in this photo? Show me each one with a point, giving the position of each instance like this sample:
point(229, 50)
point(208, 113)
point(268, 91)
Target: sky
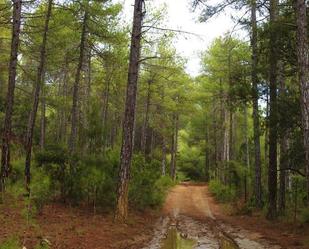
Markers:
point(181, 17)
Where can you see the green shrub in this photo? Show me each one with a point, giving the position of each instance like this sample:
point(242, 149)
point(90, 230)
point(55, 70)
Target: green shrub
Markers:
point(221, 192)
point(147, 187)
point(12, 243)
point(52, 154)
point(40, 187)
point(304, 215)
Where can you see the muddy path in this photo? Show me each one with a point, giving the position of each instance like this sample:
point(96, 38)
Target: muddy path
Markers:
point(188, 222)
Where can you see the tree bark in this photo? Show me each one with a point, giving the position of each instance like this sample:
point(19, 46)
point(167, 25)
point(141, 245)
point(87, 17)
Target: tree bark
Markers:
point(174, 147)
point(272, 167)
point(284, 162)
point(121, 213)
point(43, 119)
point(163, 156)
point(145, 129)
point(207, 153)
point(247, 157)
point(255, 101)
point(5, 159)
point(303, 66)
point(75, 111)
point(36, 96)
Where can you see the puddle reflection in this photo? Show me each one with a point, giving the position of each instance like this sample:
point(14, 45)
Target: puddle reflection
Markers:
point(227, 244)
point(175, 241)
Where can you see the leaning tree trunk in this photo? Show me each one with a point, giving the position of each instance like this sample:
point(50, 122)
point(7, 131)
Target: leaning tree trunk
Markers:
point(74, 118)
point(36, 96)
point(303, 66)
point(272, 167)
point(121, 213)
point(5, 159)
point(255, 100)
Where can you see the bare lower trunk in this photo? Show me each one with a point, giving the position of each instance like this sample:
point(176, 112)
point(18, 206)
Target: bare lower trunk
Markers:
point(105, 109)
point(37, 89)
point(303, 66)
point(62, 135)
point(247, 157)
point(145, 129)
point(43, 119)
point(207, 154)
point(163, 156)
point(272, 167)
point(255, 101)
point(5, 159)
point(121, 213)
point(174, 147)
point(75, 109)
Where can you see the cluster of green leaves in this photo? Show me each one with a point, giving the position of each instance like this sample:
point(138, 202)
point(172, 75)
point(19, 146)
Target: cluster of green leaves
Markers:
point(223, 193)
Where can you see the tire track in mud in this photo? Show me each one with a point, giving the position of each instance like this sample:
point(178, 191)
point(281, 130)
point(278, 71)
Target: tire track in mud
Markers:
point(187, 209)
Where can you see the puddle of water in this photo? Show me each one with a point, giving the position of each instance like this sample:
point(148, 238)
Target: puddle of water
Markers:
point(175, 241)
point(227, 244)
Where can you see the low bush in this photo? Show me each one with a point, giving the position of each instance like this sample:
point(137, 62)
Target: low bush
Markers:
point(41, 191)
point(221, 192)
point(12, 243)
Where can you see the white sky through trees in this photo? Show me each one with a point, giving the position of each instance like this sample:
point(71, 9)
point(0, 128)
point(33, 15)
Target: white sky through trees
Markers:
point(181, 17)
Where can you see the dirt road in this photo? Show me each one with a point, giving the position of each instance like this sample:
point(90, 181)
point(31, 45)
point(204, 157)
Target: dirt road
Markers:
point(188, 200)
point(188, 211)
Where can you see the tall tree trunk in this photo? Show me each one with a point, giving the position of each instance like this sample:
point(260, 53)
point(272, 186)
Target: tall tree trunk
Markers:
point(106, 96)
point(174, 147)
point(284, 162)
point(303, 65)
point(163, 156)
point(75, 111)
point(231, 135)
point(272, 167)
point(145, 129)
point(207, 153)
point(37, 89)
point(121, 213)
point(5, 159)
point(63, 93)
point(247, 157)
point(255, 100)
point(43, 119)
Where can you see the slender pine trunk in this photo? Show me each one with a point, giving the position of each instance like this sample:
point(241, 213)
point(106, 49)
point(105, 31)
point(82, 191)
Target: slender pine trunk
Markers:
point(303, 67)
point(36, 96)
point(75, 109)
point(255, 101)
point(273, 120)
point(174, 147)
point(121, 212)
point(6, 137)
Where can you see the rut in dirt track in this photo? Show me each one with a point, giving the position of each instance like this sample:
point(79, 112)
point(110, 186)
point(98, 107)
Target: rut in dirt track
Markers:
point(189, 207)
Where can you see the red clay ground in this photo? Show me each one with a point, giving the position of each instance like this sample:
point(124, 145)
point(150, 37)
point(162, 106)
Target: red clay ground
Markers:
point(72, 228)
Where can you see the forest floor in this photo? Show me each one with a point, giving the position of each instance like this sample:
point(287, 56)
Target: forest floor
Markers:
point(189, 208)
point(75, 228)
